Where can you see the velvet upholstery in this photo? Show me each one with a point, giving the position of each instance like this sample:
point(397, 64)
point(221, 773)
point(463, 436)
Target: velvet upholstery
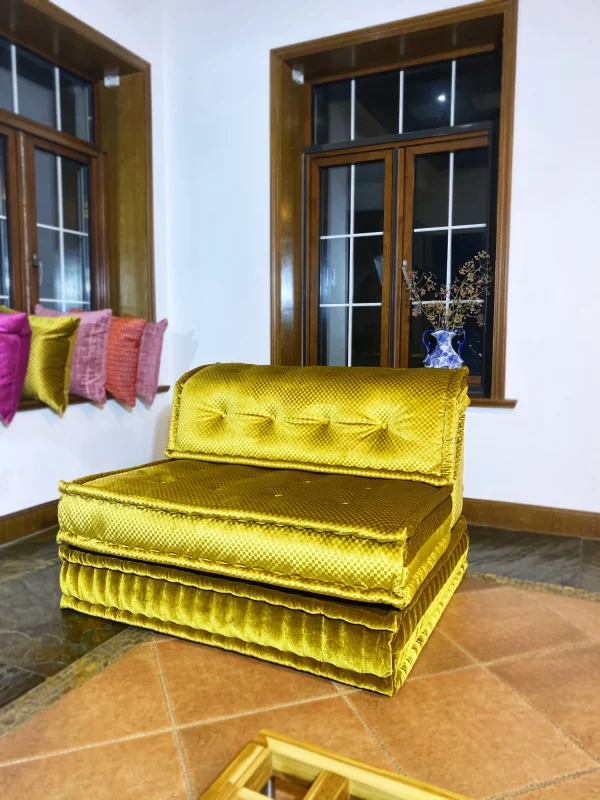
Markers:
point(370, 421)
point(49, 369)
point(124, 338)
point(15, 344)
point(308, 516)
point(369, 646)
point(342, 535)
point(88, 370)
point(149, 361)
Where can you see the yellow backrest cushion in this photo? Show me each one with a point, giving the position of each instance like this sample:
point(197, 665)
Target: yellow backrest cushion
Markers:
point(372, 421)
point(49, 369)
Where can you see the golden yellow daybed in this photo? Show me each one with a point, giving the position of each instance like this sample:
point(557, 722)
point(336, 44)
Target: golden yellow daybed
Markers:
point(310, 516)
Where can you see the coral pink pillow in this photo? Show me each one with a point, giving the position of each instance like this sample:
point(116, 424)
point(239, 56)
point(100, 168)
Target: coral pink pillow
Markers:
point(88, 370)
point(15, 343)
point(124, 338)
point(149, 363)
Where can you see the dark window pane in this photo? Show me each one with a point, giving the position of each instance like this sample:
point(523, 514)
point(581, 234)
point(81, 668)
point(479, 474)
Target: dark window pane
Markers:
point(75, 195)
point(46, 194)
point(430, 254)
point(416, 348)
point(478, 81)
point(376, 104)
point(334, 270)
point(470, 203)
point(427, 97)
point(335, 201)
point(36, 88)
point(465, 245)
point(472, 350)
point(333, 337)
point(5, 76)
point(432, 175)
point(4, 252)
point(76, 106)
point(368, 269)
point(366, 336)
point(77, 269)
point(368, 196)
point(332, 112)
point(5, 294)
point(49, 272)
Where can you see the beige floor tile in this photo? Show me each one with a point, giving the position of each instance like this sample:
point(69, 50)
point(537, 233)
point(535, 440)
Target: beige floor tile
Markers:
point(327, 723)
point(565, 687)
point(140, 768)
point(587, 787)
point(439, 655)
point(467, 732)
point(476, 585)
point(125, 699)
point(584, 614)
point(205, 683)
point(492, 625)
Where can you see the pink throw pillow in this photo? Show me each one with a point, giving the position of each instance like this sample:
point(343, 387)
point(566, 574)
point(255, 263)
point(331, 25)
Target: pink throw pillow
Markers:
point(149, 361)
point(88, 371)
point(15, 343)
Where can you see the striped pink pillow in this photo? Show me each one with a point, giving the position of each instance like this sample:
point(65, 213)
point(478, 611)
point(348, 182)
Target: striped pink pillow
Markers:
point(149, 360)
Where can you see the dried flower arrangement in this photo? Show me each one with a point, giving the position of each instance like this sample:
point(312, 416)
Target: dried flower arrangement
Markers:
point(455, 303)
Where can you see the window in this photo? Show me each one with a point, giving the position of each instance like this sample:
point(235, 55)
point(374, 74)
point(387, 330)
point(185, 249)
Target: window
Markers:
point(398, 76)
point(47, 243)
point(403, 168)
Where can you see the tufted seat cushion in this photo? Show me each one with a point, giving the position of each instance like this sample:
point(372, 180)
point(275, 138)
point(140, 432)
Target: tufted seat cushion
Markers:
point(347, 536)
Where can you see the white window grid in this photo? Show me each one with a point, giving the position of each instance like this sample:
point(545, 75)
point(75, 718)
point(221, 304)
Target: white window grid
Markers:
point(15, 91)
point(4, 279)
point(449, 228)
point(63, 301)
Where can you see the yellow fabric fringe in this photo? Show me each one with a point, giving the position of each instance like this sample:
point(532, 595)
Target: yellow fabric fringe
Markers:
point(368, 646)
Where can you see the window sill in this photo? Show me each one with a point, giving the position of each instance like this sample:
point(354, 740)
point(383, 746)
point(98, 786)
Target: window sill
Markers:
point(74, 400)
point(493, 402)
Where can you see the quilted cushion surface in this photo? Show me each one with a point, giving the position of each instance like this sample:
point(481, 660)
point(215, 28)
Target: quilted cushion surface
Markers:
point(370, 646)
point(341, 535)
point(370, 421)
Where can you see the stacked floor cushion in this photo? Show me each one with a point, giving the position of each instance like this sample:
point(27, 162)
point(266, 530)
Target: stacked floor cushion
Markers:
point(306, 516)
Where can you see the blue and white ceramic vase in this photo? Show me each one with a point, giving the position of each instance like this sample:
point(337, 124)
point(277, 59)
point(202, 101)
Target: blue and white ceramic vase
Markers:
point(444, 354)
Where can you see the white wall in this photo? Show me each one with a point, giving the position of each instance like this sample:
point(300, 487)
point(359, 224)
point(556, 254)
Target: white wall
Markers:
point(546, 450)
point(211, 170)
point(39, 448)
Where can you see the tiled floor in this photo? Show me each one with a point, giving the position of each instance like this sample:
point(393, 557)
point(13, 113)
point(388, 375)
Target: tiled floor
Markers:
point(503, 702)
point(37, 639)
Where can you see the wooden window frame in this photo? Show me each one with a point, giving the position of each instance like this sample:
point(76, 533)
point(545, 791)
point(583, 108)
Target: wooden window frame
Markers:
point(453, 33)
point(98, 266)
point(313, 240)
point(120, 157)
point(398, 155)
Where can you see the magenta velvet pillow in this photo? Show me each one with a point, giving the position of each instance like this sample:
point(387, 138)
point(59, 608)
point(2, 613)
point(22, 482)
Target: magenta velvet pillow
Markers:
point(149, 360)
point(15, 342)
point(88, 371)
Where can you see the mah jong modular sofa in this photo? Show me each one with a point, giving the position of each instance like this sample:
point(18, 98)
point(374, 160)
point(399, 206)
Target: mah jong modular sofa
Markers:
point(309, 516)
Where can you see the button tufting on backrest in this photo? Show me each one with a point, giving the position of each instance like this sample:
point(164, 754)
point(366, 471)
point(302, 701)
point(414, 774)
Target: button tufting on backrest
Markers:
point(328, 419)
